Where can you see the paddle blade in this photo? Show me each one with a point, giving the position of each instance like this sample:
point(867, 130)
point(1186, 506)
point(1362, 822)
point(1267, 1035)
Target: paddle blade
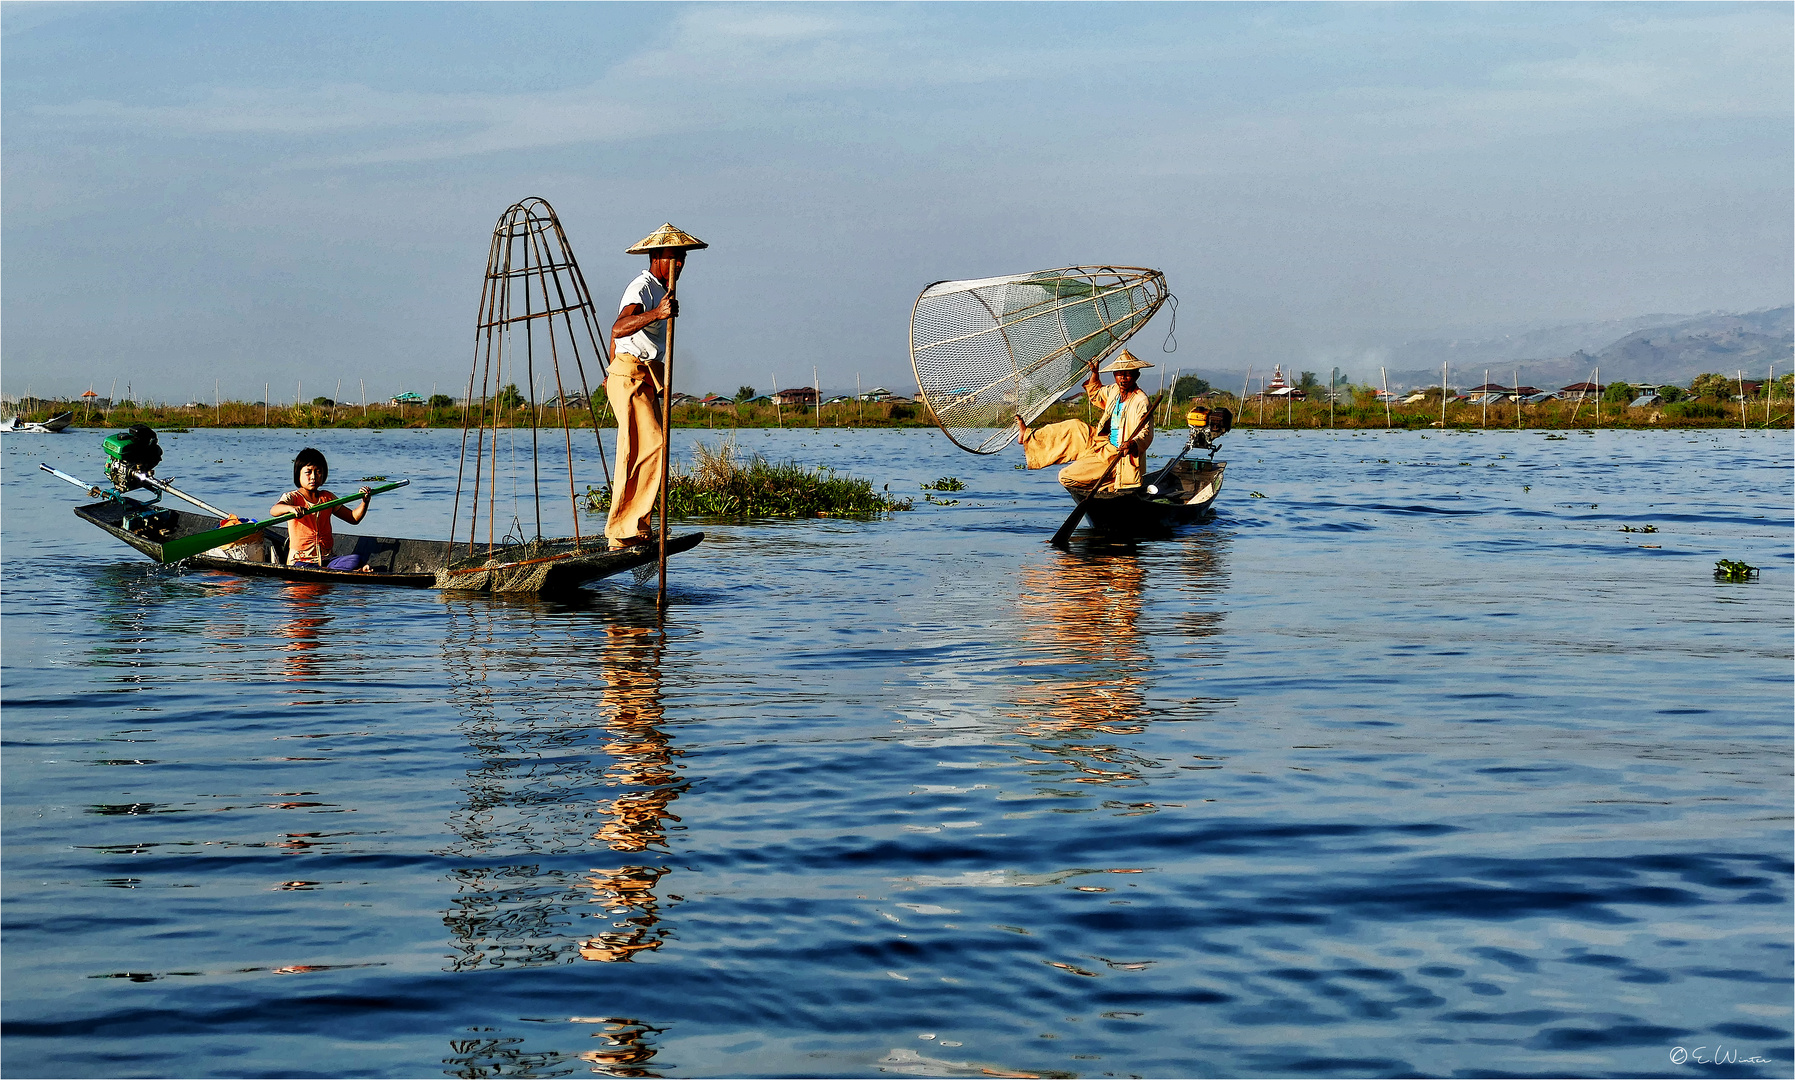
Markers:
point(1064, 535)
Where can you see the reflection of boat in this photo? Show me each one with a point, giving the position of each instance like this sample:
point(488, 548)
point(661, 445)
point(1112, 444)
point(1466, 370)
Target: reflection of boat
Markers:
point(45, 427)
point(417, 564)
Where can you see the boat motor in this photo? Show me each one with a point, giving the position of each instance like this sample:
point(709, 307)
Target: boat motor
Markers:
point(132, 456)
point(1206, 426)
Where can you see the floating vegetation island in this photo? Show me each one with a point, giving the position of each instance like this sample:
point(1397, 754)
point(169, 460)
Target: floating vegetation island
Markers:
point(720, 484)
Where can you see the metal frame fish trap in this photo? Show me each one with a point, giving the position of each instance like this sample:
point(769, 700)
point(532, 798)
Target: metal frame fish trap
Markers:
point(990, 349)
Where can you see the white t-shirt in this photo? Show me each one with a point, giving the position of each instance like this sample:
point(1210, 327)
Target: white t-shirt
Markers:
point(649, 342)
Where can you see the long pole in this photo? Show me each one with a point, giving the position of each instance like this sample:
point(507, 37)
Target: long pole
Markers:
point(860, 396)
point(1243, 389)
point(334, 398)
point(1486, 397)
point(1383, 376)
point(778, 411)
point(1742, 400)
point(817, 388)
point(1598, 381)
point(217, 408)
point(1333, 378)
point(1517, 399)
point(660, 592)
point(1443, 379)
point(364, 410)
point(264, 404)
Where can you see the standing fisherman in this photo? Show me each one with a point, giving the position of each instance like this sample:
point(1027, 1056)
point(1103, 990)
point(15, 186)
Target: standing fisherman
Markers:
point(1122, 439)
point(636, 380)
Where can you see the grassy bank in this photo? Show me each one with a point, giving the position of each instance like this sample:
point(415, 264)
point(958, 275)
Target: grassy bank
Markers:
point(1301, 415)
point(1550, 415)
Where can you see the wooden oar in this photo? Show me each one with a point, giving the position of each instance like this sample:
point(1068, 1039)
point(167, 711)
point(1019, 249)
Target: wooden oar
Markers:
point(1065, 532)
point(183, 547)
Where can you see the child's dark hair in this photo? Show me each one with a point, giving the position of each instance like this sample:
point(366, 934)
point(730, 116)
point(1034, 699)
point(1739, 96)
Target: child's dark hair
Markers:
point(308, 456)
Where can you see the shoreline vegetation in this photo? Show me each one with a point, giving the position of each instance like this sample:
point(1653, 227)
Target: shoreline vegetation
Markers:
point(1355, 411)
point(718, 483)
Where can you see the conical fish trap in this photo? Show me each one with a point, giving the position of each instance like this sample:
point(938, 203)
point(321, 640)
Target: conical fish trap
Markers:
point(988, 350)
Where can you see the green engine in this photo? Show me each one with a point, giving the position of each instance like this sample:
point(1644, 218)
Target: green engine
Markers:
point(129, 453)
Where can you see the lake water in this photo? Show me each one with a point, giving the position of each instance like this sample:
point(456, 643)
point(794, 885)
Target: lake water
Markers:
point(1418, 764)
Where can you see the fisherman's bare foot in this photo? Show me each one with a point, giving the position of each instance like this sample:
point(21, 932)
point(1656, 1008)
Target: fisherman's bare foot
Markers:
point(1021, 429)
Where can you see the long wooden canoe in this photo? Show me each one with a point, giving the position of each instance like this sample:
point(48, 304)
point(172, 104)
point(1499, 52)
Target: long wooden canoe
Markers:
point(390, 561)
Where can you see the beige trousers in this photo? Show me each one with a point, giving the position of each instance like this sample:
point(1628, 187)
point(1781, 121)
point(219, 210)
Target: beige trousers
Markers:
point(631, 386)
point(1088, 452)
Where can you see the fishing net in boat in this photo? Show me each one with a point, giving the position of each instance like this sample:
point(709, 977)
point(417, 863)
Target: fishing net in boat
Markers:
point(990, 349)
point(533, 566)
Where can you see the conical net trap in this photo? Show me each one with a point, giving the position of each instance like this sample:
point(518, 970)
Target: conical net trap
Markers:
point(988, 350)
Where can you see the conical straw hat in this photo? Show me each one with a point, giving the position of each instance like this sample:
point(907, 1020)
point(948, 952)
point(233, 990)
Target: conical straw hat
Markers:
point(1126, 361)
point(666, 237)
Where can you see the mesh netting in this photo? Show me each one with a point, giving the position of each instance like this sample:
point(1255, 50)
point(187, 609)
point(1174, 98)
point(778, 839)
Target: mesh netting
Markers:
point(988, 350)
point(532, 567)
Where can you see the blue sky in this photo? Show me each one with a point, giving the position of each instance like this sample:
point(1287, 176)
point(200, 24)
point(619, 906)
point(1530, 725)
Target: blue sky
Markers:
point(305, 191)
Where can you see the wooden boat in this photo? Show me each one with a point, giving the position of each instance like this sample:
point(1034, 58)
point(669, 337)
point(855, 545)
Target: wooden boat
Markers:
point(1184, 494)
point(46, 427)
point(391, 561)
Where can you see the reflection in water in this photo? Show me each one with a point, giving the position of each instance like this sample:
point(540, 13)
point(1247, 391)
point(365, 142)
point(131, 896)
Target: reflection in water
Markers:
point(1082, 612)
point(624, 1049)
point(311, 614)
point(562, 713)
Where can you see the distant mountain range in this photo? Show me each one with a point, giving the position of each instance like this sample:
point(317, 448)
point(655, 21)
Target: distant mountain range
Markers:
point(1646, 348)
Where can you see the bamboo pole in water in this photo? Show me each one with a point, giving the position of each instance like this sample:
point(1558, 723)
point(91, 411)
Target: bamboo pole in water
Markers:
point(1741, 400)
point(817, 389)
point(777, 411)
point(1443, 379)
point(1486, 398)
point(1517, 399)
point(1243, 389)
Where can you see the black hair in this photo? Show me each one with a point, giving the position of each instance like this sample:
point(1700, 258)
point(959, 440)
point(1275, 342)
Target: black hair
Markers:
point(308, 456)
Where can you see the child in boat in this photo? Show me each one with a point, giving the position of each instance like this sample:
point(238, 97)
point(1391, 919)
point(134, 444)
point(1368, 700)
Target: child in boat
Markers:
point(309, 537)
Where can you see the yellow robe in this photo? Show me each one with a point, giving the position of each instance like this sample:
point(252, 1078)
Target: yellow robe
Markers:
point(1089, 452)
point(633, 385)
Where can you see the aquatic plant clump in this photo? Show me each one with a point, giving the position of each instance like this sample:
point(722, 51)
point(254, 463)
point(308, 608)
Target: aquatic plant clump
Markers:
point(719, 484)
point(1733, 570)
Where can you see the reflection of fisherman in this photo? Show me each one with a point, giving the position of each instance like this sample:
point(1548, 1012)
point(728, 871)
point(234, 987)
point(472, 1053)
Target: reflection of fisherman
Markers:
point(644, 766)
point(1125, 434)
point(637, 378)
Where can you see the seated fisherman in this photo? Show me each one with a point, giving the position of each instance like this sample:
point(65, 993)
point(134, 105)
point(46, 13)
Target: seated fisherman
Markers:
point(309, 537)
point(1122, 438)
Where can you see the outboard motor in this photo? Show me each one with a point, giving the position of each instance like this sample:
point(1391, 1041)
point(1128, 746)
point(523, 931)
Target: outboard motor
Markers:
point(130, 453)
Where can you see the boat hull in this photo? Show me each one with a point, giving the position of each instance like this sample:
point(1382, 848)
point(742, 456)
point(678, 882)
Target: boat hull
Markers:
point(1192, 500)
point(394, 562)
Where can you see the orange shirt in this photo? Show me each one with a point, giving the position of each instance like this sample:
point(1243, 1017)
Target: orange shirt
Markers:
point(310, 537)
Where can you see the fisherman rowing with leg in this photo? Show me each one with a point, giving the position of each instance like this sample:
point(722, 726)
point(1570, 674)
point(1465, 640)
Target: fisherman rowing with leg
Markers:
point(636, 380)
point(1122, 439)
